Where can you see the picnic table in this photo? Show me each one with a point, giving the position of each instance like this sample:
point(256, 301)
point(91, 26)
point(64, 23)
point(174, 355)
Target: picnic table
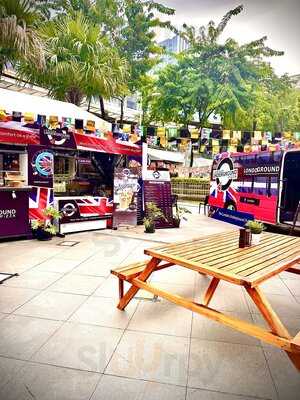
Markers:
point(220, 257)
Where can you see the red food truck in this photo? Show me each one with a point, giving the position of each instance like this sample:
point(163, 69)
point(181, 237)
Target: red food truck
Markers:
point(264, 185)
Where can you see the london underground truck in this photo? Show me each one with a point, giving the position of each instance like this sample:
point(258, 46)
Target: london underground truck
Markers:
point(265, 185)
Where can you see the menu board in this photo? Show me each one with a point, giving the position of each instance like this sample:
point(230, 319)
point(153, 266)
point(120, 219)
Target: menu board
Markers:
point(157, 189)
point(126, 188)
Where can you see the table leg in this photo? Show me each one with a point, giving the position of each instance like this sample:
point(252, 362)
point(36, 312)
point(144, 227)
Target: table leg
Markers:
point(129, 295)
point(210, 291)
point(272, 319)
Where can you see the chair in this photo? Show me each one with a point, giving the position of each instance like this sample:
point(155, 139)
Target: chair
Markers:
point(204, 203)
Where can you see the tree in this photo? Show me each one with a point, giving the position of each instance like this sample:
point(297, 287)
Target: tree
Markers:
point(80, 62)
point(172, 102)
point(18, 37)
point(222, 72)
point(136, 40)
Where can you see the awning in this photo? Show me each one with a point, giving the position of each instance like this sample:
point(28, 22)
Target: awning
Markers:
point(17, 133)
point(165, 155)
point(111, 146)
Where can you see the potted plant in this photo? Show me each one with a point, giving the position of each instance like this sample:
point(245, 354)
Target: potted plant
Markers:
point(44, 229)
point(180, 211)
point(256, 229)
point(153, 213)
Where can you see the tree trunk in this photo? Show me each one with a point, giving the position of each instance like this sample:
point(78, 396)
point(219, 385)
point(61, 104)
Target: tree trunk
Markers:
point(89, 105)
point(74, 96)
point(122, 111)
point(102, 108)
point(254, 125)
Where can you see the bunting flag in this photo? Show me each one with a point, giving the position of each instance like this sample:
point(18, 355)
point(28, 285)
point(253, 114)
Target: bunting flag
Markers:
point(237, 135)
point(226, 134)
point(257, 135)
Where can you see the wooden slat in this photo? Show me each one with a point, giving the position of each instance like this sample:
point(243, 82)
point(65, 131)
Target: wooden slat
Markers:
point(224, 258)
point(129, 272)
point(190, 241)
point(232, 322)
point(249, 253)
point(199, 267)
point(269, 262)
point(261, 261)
point(272, 270)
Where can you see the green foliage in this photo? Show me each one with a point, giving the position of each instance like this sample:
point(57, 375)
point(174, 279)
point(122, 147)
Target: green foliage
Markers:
point(180, 212)
point(47, 224)
point(255, 226)
point(18, 36)
point(153, 213)
point(79, 61)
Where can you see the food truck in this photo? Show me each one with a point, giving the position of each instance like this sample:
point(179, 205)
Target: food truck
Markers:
point(262, 185)
point(54, 153)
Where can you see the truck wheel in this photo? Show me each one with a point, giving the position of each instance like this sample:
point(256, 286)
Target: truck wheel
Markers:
point(230, 205)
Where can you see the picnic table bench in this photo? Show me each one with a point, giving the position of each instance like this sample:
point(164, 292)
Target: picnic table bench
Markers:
point(220, 257)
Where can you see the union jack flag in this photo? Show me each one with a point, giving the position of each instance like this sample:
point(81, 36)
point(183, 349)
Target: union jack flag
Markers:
point(94, 206)
point(40, 198)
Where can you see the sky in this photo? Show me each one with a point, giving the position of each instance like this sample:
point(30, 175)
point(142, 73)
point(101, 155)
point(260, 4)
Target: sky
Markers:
point(279, 20)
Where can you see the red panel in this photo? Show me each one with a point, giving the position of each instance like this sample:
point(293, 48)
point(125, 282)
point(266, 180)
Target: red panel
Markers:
point(19, 136)
point(111, 146)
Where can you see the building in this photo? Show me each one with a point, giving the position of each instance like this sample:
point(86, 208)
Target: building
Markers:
point(175, 44)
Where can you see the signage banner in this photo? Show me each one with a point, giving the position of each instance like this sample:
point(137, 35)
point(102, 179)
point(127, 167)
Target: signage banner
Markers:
point(93, 143)
point(57, 138)
point(40, 166)
point(18, 133)
point(230, 216)
point(157, 190)
point(82, 209)
point(126, 190)
point(14, 214)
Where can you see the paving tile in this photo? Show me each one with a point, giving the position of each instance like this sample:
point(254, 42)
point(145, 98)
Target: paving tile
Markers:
point(3, 315)
point(20, 263)
point(230, 368)
point(284, 306)
point(110, 288)
point(174, 274)
point(198, 394)
point(22, 336)
point(103, 311)
point(183, 290)
point(161, 317)
point(206, 329)
point(33, 279)
point(227, 297)
point(288, 275)
point(52, 305)
point(275, 285)
point(95, 268)
point(11, 298)
point(152, 357)
point(57, 264)
point(78, 346)
point(45, 382)
point(293, 285)
point(77, 284)
point(8, 369)
point(116, 388)
point(76, 254)
point(285, 375)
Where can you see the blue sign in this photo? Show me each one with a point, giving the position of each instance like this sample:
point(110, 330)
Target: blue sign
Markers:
point(232, 217)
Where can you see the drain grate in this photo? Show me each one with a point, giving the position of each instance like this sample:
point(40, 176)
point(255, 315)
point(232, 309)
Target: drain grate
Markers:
point(68, 243)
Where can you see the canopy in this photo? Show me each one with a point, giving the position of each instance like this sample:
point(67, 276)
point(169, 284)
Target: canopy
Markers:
point(14, 101)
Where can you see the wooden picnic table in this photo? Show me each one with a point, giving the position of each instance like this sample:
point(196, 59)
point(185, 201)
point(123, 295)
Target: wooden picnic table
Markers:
point(220, 257)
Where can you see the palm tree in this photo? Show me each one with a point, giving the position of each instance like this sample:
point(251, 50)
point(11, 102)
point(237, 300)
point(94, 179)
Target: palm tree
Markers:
point(80, 63)
point(18, 37)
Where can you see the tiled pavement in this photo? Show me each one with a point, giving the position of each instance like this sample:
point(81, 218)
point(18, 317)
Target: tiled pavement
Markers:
point(62, 338)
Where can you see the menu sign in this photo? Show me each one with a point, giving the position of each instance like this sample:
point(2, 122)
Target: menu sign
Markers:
point(126, 188)
point(14, 214)
point(40, 166)
point(57, 137)
point(157, 190)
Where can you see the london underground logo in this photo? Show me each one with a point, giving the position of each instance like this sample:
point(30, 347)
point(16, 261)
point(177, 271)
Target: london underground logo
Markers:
point(225, 173)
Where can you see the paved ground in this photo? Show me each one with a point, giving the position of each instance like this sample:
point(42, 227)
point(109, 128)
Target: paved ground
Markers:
point(62, 338)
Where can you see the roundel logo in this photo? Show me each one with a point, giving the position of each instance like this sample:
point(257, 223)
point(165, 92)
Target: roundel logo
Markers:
point(69, 209)
point(156, 174)
point(225, 173)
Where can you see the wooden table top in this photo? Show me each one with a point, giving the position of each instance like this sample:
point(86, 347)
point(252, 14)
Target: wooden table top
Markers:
point(220, 256)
